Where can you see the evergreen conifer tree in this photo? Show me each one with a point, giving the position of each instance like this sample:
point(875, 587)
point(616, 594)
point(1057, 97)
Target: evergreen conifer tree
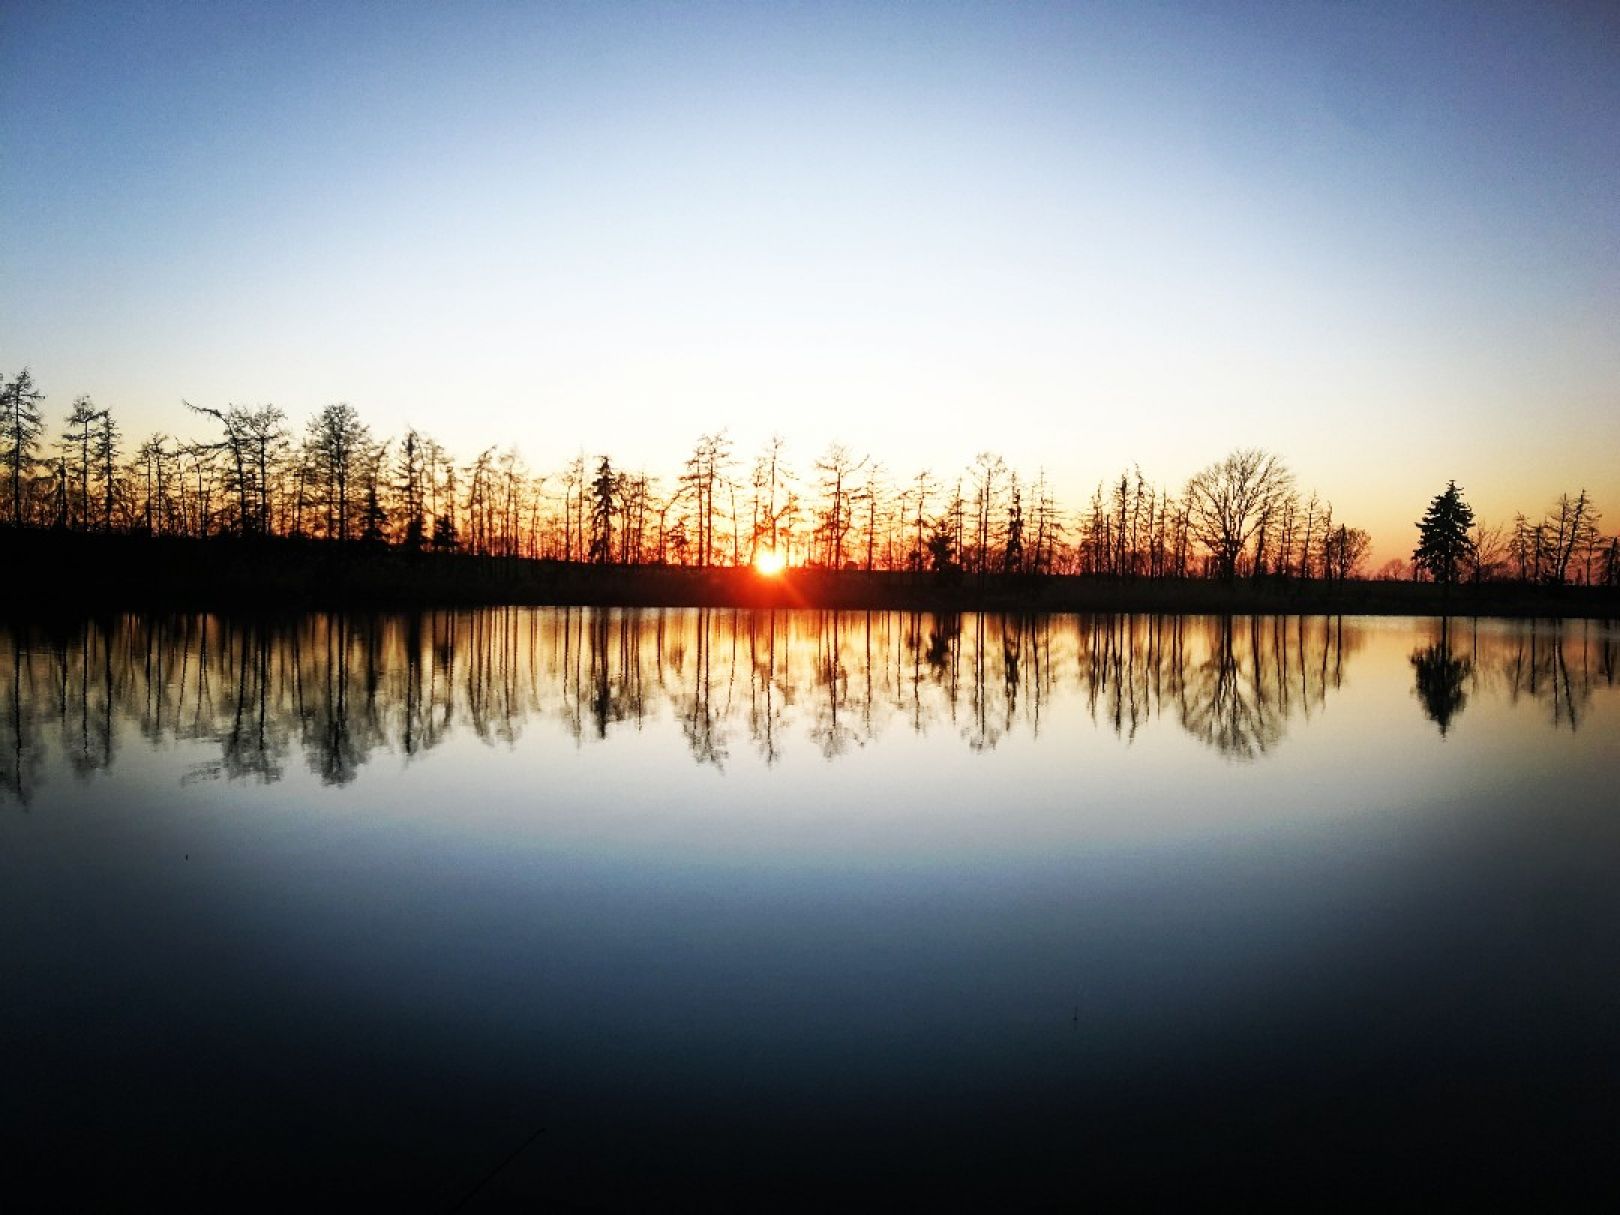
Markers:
point(1443, 540)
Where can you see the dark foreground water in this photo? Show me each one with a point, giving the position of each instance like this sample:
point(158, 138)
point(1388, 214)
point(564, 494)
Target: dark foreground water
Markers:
point(629, 910)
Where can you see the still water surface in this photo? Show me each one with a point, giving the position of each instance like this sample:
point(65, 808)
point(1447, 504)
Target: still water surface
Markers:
point(712, 908)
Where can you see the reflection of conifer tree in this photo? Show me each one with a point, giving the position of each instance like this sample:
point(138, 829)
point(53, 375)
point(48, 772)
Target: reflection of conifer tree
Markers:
point(630, 629)
point(1440, 679)
point(1012, 652)
point(944, 656)
point(602, 707)
point(942, 642)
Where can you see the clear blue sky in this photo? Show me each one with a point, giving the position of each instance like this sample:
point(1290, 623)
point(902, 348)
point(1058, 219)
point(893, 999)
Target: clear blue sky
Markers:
point(1381, 240)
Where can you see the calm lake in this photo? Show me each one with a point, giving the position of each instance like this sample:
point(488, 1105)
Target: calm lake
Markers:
point(622, 910)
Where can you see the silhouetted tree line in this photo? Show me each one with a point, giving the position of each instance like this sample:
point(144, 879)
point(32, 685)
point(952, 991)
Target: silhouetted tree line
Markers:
point(329, 691)
point(255, 474)
point(1565, 547)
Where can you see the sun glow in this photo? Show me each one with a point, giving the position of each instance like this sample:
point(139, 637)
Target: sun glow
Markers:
point(770, 563)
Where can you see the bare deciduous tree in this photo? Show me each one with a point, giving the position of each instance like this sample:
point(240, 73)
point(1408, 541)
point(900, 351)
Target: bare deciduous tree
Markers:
point(836, 467)
point(1229, 500)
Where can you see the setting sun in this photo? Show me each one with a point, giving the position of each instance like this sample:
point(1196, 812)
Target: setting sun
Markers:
point(770, 563)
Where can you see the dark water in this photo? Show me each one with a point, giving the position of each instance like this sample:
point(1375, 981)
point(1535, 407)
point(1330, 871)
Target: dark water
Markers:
point(714, 909)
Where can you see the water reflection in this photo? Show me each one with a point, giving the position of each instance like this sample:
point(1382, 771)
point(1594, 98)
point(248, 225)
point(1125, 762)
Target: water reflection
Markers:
point(1441, 676)
point(1556, 667)
point(331, 691)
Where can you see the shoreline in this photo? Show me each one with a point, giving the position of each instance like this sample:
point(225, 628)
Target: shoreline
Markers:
point(52, 572)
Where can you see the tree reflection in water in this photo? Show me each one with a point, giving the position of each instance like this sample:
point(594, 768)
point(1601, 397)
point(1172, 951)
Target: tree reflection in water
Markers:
point(334, 689)
point(1441, 676)
point(1553, 664)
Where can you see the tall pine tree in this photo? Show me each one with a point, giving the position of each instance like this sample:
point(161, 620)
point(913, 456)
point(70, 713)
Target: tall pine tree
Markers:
point(1443, 540)
point(20, 428)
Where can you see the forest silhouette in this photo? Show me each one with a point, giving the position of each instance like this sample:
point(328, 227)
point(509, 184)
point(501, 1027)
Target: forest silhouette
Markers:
point(389, 516)
point(329, 691)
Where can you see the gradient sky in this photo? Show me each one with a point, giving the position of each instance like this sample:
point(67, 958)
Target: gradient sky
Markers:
point(1383, 241)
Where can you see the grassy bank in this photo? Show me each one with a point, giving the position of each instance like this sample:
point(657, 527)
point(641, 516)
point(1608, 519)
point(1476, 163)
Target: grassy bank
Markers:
point(56, 572)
